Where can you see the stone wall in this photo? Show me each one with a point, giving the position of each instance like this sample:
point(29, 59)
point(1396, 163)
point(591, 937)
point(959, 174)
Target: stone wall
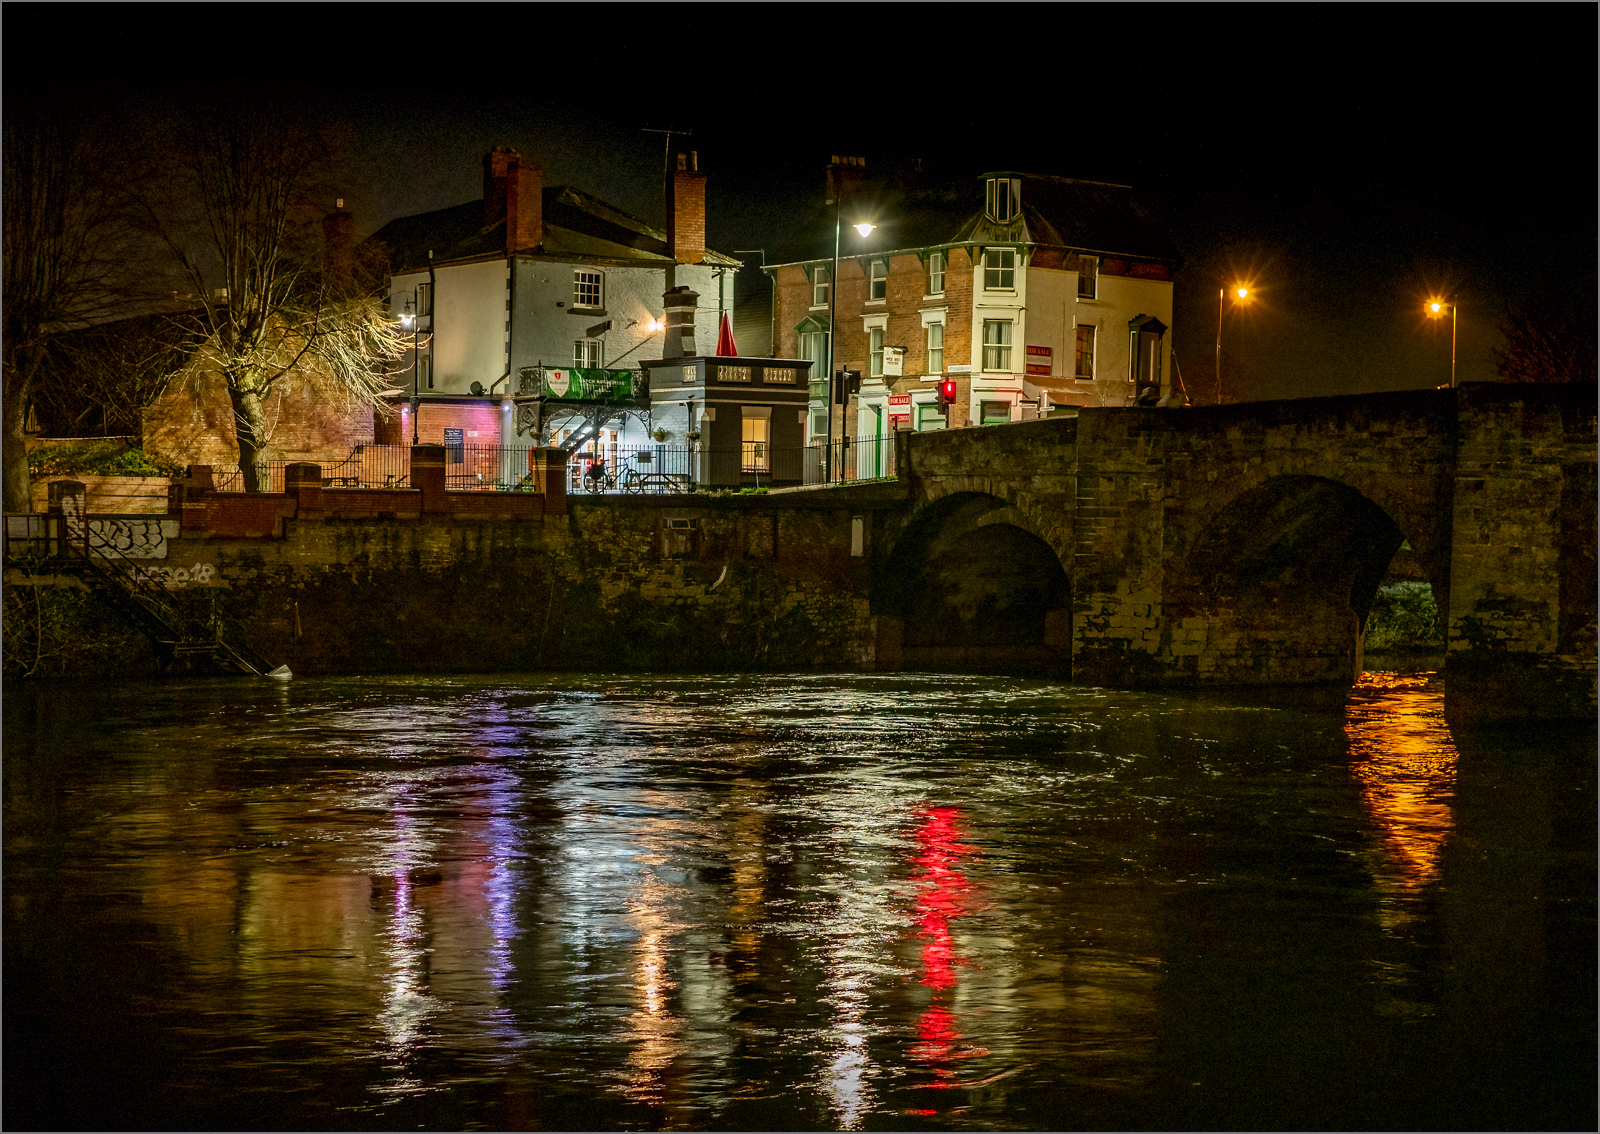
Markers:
point(617, 583)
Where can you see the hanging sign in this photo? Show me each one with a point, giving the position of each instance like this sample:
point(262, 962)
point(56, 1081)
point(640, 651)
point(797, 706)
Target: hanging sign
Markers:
point(893, 361)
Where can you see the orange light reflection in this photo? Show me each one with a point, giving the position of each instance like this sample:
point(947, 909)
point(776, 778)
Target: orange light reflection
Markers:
point(1405, 760)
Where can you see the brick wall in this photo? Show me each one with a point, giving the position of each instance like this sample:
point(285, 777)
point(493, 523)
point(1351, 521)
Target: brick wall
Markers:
point(192, 420)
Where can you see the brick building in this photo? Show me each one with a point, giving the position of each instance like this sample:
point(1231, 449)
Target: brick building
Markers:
point(537, 276)
point(1029, 292)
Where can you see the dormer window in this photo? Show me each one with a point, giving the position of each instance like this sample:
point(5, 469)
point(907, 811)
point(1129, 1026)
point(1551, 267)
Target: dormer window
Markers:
point(1004, 199)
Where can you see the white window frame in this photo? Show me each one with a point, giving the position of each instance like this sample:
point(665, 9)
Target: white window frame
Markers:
point(997, 354)
point(589, 354)
point(875, 352)
point(587, 284)
point(820, 283)
point(425, 300)
point(1004, 271)
point(1088, 277)
point(1003, 199)
point(937, 263)
point(934, 361)
point(1078, 352)
point(877, 281)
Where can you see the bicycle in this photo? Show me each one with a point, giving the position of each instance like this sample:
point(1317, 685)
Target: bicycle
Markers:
point(598, 479)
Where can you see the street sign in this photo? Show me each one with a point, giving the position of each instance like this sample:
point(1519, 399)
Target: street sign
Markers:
point(893, 360)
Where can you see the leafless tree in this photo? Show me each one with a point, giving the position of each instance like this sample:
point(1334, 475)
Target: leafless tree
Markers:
point(68, 248)
point(1552, 339)
point(242, 216)
point(104, 377)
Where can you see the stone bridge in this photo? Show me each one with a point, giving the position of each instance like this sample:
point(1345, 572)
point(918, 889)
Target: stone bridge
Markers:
point(1244, 545)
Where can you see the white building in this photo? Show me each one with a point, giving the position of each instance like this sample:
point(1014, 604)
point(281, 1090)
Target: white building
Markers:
point(537, 278)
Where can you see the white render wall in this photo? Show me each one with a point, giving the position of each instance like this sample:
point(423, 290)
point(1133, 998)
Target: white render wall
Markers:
point(1121, 298)
point(547, 325)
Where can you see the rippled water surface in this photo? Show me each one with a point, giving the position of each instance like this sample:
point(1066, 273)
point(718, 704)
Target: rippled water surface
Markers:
point(789, 902)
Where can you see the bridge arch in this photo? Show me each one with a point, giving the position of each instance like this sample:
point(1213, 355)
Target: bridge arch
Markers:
point(1281, 580)
point(972, 584)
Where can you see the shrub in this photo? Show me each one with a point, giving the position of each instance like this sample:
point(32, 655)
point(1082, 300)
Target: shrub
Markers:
point(105, 457)
point(1404, 616)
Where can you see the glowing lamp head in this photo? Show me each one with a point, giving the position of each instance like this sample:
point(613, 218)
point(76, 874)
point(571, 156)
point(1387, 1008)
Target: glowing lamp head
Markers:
point(653, 325)
point(406, 319)
point(1435, 307)
point(1243, 291)
point(864, 228)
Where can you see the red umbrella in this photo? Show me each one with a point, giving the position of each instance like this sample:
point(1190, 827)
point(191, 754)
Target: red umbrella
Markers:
point(726, 348)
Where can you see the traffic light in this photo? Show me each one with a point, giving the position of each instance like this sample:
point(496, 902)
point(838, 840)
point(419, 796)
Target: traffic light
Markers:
point(845, 383)
point(947, 394)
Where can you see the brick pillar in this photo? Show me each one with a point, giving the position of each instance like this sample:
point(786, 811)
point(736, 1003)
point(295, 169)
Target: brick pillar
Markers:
point(549, 469)
point(427, 474)
point(302, 482)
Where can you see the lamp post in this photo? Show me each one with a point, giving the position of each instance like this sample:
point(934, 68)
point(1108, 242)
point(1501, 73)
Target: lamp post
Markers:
point(833, 303)
point(1435, 310)
point(1244, 293)
point(408, 318)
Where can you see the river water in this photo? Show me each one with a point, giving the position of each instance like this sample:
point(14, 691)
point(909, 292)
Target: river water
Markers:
point(789, 902)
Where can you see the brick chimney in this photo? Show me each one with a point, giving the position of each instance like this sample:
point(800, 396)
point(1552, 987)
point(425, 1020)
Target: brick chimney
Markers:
point(338, 247)
point(846, 175)
point(686, 211)
point(513, 191)
point(679, 304)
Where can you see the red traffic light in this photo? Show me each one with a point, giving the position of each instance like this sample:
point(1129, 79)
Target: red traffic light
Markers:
point(947, 394)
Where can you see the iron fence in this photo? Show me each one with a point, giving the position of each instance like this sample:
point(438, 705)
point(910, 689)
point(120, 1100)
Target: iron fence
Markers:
point(600, 467)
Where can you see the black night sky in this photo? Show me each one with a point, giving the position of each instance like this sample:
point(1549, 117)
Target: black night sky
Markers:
point(1347, 159)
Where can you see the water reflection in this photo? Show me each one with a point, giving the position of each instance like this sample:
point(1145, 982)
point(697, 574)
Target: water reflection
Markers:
point(750, 903)
point(1405, 760)
point(943, 894)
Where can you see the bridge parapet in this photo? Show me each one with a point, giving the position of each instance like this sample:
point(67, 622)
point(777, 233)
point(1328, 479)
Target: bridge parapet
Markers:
point(1244, 545)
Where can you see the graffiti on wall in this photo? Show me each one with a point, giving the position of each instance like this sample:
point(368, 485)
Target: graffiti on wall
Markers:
point(132, 538)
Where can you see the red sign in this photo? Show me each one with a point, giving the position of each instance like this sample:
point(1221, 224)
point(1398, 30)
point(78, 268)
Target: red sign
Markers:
point(1039, 361)
point(1039, 352)
point(899, 399)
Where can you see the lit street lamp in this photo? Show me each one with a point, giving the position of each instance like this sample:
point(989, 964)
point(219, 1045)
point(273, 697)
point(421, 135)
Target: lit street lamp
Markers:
point(408, 318)
point(1435, 310)
point(1243, 293)
point(833, 303)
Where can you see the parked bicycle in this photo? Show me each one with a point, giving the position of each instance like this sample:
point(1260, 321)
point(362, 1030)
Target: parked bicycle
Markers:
point(598, 478)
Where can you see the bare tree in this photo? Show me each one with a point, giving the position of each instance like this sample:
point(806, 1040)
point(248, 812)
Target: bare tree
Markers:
point(242, 217)
point(103, 377)
point(67, 249)
point(1551, 339)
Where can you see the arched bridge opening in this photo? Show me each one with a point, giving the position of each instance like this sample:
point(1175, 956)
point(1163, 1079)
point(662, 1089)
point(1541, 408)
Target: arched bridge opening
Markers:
point(969, 587)
point(1280, 586)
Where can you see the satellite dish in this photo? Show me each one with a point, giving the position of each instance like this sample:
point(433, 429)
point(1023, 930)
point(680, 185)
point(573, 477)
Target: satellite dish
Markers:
point(477, 389)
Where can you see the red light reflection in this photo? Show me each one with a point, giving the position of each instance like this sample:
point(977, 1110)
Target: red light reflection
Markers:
point(943, 895)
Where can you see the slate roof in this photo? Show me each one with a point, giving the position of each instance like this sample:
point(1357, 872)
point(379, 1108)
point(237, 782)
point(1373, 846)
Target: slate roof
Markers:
point(577, 226)
point(1084, 216)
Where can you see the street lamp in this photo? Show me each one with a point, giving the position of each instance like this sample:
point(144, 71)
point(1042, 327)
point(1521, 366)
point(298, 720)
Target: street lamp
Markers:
point(833, 302)
point(1435, 310)
point(1243, 294)
point(408, 318)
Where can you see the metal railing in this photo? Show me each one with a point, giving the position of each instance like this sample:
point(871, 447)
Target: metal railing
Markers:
point(628, 468)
